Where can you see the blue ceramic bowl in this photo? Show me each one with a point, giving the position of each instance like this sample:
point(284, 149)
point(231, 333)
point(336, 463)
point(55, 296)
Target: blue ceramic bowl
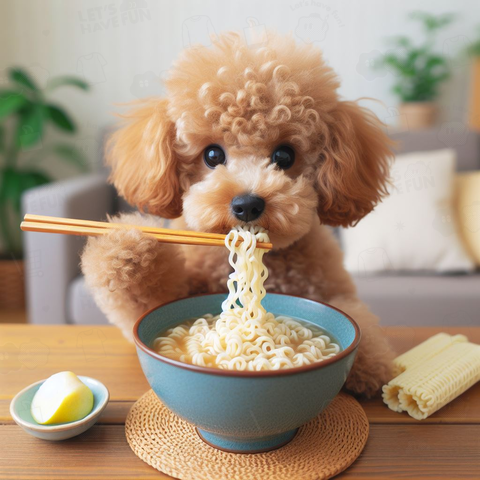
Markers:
point(242, 411)
point(20, 410)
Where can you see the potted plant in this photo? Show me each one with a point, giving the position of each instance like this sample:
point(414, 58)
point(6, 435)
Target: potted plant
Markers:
point(420, 71)
point(25, 112)
point(474, 51)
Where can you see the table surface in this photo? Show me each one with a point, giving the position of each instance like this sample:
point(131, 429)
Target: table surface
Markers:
point(446, 445)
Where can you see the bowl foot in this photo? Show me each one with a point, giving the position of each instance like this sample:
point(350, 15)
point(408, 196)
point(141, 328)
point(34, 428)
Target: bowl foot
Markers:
point(252, 445)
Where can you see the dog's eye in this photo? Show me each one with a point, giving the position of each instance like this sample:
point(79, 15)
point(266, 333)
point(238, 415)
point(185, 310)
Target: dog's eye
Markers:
point(214, 155)
point(284, 157)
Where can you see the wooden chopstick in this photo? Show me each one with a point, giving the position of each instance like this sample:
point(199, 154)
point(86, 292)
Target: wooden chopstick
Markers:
point(92, 223)
point(68, 226)
point(95, 232)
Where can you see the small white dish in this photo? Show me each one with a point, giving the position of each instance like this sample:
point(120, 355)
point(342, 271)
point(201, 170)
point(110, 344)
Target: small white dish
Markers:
point(21, 404)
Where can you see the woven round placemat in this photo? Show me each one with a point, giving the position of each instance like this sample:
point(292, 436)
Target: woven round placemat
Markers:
point(322, 448)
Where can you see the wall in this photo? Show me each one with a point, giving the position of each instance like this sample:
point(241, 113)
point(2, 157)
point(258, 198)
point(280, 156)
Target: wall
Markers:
point(122, 51)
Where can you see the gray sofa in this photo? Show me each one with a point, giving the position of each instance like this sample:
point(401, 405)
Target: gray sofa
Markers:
point(56, 291)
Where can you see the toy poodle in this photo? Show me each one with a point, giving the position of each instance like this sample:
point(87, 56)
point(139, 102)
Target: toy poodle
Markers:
point(246, 135)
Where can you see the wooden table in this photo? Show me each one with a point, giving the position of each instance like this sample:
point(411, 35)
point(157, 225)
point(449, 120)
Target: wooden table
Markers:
point(446, 445)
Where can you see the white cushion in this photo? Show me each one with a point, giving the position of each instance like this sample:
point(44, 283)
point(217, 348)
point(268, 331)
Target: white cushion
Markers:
point(414, 228)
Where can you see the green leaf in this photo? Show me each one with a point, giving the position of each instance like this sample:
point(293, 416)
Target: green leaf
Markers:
point(64, 81)
point(2, 139)
point(16, 182)
point(9, 240)
point(401, 41)
point(72, 155)
point(33, 178)
point(433, 22)
point(30, 126)
point(10, 102)
point(434, 61)
point(60, 118)
point(11, 189)
point(22, 78)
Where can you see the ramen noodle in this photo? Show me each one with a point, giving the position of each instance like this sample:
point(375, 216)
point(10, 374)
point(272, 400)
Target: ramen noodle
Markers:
point(244, 336)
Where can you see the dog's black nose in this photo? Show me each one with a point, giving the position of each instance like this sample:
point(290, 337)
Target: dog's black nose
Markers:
point(247, 207)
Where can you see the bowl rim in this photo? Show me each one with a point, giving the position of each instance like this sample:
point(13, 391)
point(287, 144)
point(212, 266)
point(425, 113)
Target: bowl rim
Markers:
point(58, 427)
point(243, 373)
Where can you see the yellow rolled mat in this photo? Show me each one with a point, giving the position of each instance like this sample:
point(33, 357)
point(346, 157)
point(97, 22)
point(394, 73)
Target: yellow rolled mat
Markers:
point(426, 350)
point(432, 375)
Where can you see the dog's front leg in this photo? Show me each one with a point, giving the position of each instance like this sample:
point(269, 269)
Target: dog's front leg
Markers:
point(373, 364)
point(129, 272)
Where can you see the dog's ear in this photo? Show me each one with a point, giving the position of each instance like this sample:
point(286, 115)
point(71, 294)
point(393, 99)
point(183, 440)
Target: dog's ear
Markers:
point(144, 163)
point(354, 170)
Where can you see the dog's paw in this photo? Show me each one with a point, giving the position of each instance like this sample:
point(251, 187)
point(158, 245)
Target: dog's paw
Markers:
point(120, 259)
point(369, 373)
point(129, 272)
